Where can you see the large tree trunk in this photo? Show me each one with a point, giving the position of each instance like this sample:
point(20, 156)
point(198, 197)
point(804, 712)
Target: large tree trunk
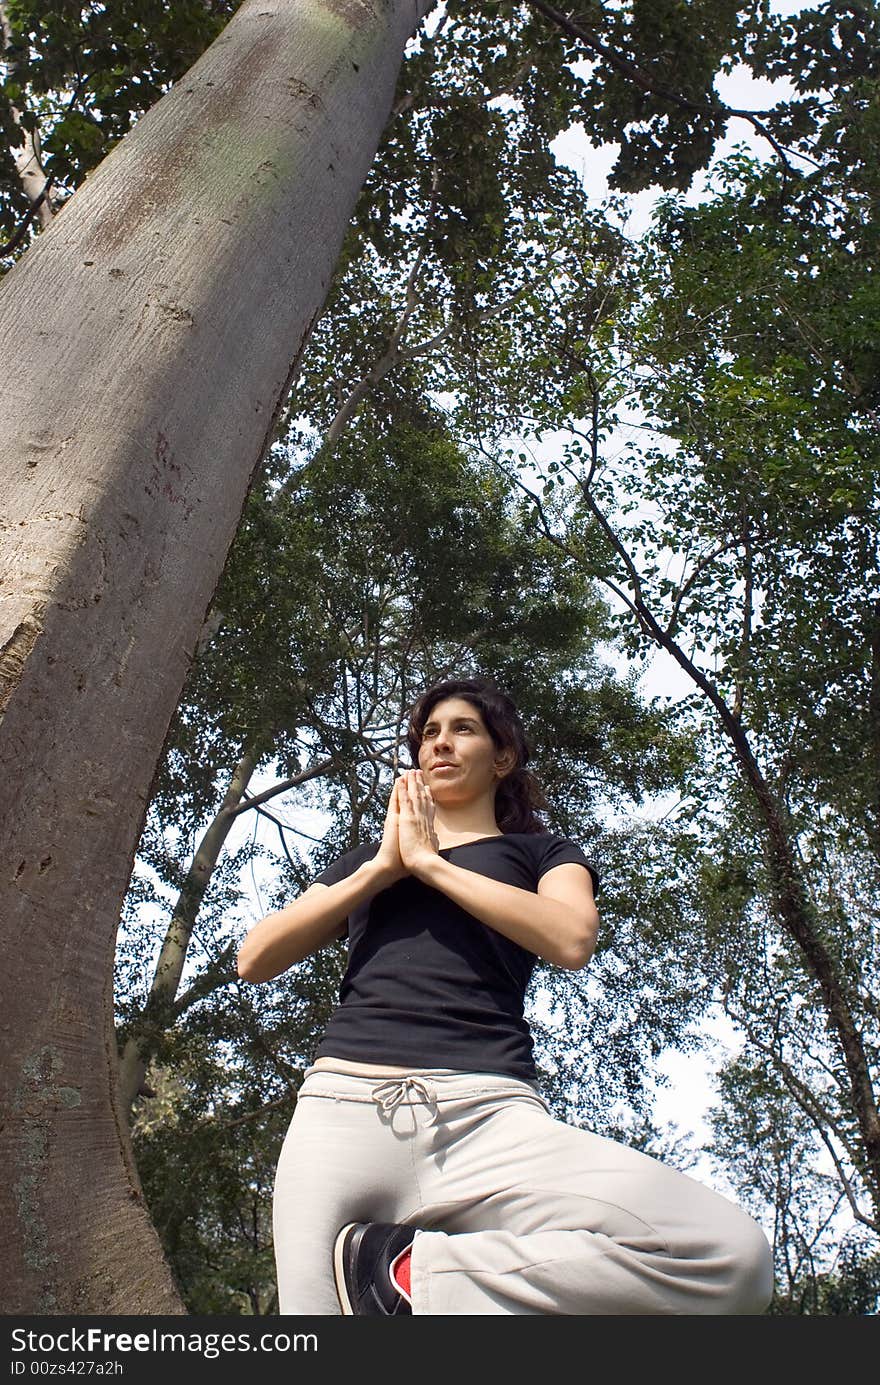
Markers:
point(148, 339)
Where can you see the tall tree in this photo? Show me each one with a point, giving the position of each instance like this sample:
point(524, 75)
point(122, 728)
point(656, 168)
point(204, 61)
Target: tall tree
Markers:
point(121, 501)
point(77, 76)
point(769, 1149)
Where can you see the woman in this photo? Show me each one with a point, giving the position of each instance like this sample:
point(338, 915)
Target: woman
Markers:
point(423, 1172)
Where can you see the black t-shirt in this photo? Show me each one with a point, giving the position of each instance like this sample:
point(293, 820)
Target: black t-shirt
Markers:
point(427, 984)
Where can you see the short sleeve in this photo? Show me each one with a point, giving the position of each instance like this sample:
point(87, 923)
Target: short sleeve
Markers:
point(559, 851)
point(346, 865)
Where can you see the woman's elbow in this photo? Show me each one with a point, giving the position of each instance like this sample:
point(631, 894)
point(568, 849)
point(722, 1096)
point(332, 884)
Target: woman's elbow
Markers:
point(576, 959)
point(243, 966)
point(247, 962)
point(580, 950)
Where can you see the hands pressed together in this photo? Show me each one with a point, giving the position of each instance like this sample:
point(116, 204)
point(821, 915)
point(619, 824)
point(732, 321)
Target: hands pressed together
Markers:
point(408, 839)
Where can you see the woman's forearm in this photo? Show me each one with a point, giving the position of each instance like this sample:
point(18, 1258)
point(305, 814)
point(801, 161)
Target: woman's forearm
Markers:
point(554, 930)
point(282, 939)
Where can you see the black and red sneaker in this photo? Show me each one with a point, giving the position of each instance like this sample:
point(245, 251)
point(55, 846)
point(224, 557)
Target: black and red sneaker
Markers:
point(364, 1259)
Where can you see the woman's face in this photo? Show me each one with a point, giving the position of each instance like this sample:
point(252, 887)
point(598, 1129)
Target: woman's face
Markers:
point(458, 758)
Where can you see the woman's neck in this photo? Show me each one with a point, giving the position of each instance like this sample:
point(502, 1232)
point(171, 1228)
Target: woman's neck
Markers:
point(471, 822)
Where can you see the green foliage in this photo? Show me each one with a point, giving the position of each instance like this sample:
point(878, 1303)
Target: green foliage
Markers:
point(653, 978)
point(206, 1159)
point(772, 1154)
point(83, 73)
point(763, 331)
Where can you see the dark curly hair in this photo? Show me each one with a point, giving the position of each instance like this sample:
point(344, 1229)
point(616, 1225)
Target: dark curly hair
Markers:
point(519, 796)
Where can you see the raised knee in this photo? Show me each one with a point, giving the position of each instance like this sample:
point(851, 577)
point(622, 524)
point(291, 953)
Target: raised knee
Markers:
point(751, 1280)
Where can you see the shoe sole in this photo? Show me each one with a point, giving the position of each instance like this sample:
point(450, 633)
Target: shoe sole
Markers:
point(345, 1302)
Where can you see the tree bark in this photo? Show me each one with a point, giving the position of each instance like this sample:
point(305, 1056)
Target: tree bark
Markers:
point(149, 338)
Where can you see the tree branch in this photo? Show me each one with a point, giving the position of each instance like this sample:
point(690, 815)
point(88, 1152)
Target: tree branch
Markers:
point(821, 1120)
point(746, 636)
point(626, 68)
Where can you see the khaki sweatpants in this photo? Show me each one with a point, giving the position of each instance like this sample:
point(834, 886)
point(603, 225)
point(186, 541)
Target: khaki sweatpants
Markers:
point(517, 1212)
